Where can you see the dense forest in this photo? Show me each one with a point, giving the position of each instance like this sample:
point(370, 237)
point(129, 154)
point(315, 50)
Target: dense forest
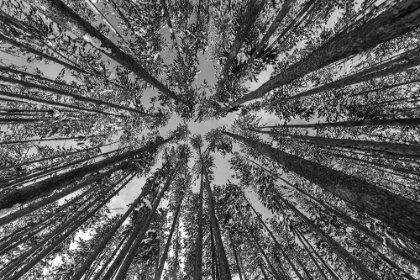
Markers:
point(313, 115)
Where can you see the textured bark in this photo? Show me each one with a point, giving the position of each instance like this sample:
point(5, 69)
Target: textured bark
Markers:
point(198, 270)
point(392, 122)
point(38, 189)
point(399, 213)
point(393, 23)
point(162, 261)
point(68, 19)
point(394, 149)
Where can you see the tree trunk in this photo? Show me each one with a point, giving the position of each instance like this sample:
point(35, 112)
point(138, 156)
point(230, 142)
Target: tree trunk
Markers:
point(47, 200)
point(348, 258)
point(224, 265)
point(250, 15)
point(143, 228)
point(38, 189)
point(159, 271)
point(401, 63)
point(110, 233)
point(199, 242)
point(62, 227)
point(393, 23)
point(235, 255)
point(39, 101)
point(401, 214)
point(68, 19)
point(396, 149)
point(20, 83)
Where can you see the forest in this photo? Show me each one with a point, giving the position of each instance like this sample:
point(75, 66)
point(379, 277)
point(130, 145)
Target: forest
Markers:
point(209, 139)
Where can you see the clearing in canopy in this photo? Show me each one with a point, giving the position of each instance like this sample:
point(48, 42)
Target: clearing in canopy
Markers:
point(210, 139)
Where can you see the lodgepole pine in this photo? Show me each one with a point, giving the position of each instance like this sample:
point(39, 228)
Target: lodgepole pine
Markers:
point(394, 22)
point(399, 213)
point(35, 190)
point(198, 270)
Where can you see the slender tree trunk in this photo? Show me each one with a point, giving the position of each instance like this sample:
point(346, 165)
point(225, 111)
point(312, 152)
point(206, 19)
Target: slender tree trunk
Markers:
point(270, 265)
point(392, 23)
point(50, 139)
point(391, 122)
point(159, 271)
point(41, 54)
point(401, 63)
point(235, 255)
point(395, 149)
point(20, 83)
point(199, 242)
point(224, 265)
point(348, 258)
point(250, 15)
point(401, 214)
point(35, 190)
point(295, 270)
point(45, 201)
point(110, 233)
point(242, 266)
point(142, 230)
point(68, 19)
point(29, 99)
point(213, 256)
point(263, 271)
point(54, 157)
point(56, 242)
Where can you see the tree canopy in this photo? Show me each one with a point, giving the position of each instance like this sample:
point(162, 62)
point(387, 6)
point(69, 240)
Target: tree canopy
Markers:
point(207, 139)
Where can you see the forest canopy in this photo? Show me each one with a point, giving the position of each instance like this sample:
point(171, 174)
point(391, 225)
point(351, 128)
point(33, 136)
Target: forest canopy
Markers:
point(209, 139)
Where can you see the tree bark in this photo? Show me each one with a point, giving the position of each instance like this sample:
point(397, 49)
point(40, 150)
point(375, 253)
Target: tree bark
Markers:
point(392, 23)
point(401, 214)
point(391, 122)
point(199, 242)
point(35, 190)
point(394, 149)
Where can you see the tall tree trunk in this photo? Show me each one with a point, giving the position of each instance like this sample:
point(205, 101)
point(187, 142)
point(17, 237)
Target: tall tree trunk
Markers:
point(401, 214)
point(348, 258)
point(47, 200)
point(199, 242)
point(401, 63)
point(263, 271)
point(38, 189)
point(224, 265)
point(62, 228)
point(38, 101)
point(235, 255)
point(110, 233)
point(396, 149)
point(295, 270)
point(68, 19)
point(392, 23)
point(250, 15)
point(391, 122)
point(20, 83)
point(159, 271)
point(143, 228)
